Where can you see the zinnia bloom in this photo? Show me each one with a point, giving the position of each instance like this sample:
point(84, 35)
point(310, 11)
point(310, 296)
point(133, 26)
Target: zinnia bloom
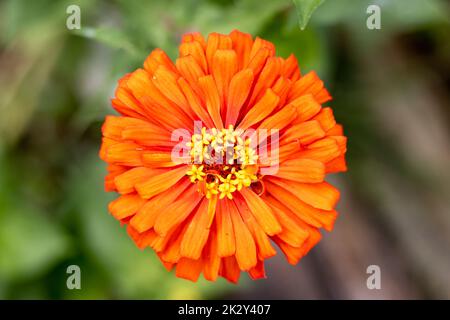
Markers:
point(202, 215)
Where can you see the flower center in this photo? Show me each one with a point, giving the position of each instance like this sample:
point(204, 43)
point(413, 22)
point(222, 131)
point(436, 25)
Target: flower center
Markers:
point(222, 162)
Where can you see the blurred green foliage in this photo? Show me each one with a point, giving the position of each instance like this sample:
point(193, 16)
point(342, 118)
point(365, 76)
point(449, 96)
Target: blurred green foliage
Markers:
point(305, 9)
point(55, 87)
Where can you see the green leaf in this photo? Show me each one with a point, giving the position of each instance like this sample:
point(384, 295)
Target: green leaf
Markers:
point(113, 38)
point(305, 9)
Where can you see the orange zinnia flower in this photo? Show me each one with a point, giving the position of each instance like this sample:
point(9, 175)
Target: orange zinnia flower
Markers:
point(201, 214)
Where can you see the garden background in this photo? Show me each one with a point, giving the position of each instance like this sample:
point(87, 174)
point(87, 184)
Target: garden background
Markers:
point(390, 90)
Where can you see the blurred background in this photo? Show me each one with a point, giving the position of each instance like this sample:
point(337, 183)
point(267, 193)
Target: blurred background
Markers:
point(391, 93)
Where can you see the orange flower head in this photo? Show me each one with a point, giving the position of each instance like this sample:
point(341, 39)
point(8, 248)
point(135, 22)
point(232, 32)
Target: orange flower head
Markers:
point(222, 154)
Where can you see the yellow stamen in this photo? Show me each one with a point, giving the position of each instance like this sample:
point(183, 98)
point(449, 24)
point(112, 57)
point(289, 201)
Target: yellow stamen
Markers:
point(237, 155)
point(196, 173)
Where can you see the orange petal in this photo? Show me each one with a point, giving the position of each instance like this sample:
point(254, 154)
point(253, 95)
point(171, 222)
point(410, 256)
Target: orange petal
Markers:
point(189, 269)
point(113, 126)
point(197, 233)
point(171, 252)
point(269, 74)
point(212, 98)
point(126, 181)
point(292, 202)
point(280, 119)
point(212, 206)
point(240, 86)
point(223, 69)
point(145, 218)
point(161, 159)
point(324, 150)
point(190, 71)
point(166, 82)
point(290, 68)
point(306, 107)
point(141, 240)
point(302, 170)
point(278, 156)
point(195, 104)
point(114, 171)
point(148, 136)
point(242, 44)
point(160, 182)
point(341, 142)
point(337, 130)
point(225, 233)
point(261, 211)
point(294, 254)
point(112, 168)
point(178, 211)
point(126, 110)
point(287, 150)
point(264, 249)
point(156, 58)
point(336, 165)
point(193, 36)
point(125, 206)
point(258, 44)
point(256, 62)
point(194, 49)
point(162, 242)
point(156, 104)
point(260, 110)
point(294, 233)
point(124, 153)
point(281, 88)
point(305, 132)
point(169, 266)
point(322, 96)
point(139, 83)
point(211, 259)
point(310, 84)
point(229, 269)
point(319, 195)
point(312, 213)
point(128, 105)
point(245, 245)
point(257, 272)
point(216, 42)
point(103, 152)
point(326, 119)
